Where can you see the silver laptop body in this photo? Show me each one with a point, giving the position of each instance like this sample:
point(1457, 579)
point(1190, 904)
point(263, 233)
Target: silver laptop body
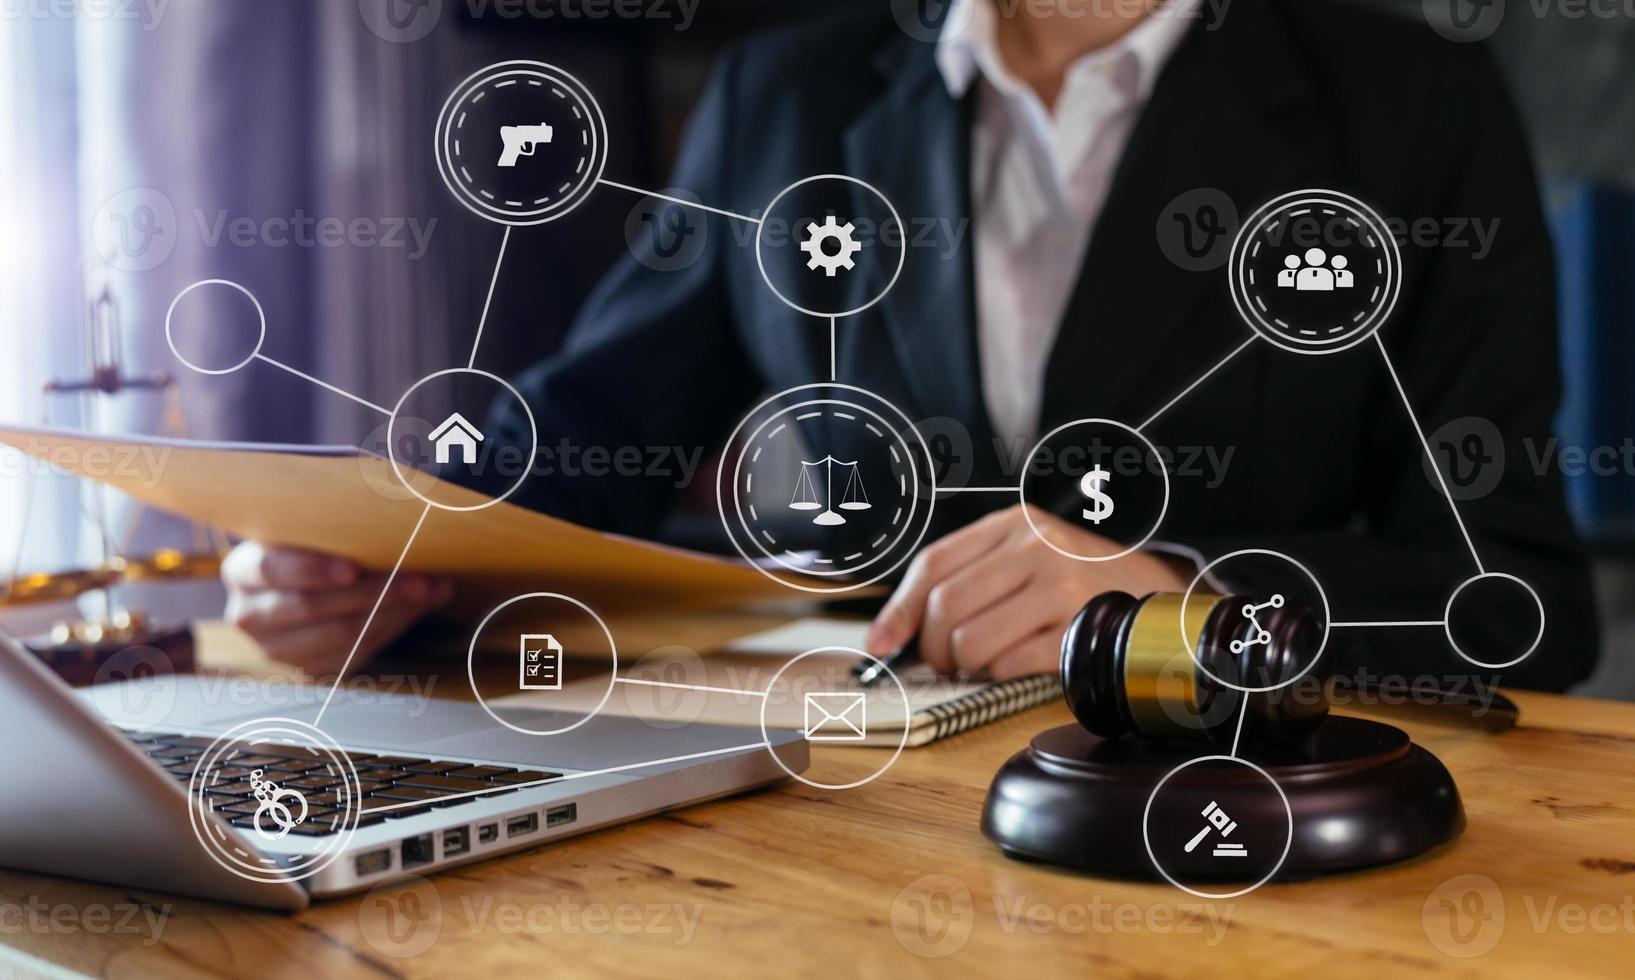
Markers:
point(82, 800)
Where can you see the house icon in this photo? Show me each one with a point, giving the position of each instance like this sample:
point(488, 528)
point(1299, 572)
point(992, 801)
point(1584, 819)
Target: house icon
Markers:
point(456, 432)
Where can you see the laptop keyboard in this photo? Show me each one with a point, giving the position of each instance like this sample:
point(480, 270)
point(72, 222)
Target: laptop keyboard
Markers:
point(395, 786)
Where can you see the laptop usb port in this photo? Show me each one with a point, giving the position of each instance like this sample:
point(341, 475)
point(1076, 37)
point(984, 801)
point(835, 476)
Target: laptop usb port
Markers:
point(525, 824)
point(488, 833)
point(417, 851)
point(373, 862)
point(559, 816)
point(456, 842)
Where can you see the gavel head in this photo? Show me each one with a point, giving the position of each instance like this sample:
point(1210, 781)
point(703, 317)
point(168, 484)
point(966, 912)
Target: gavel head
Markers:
point(1137, 666)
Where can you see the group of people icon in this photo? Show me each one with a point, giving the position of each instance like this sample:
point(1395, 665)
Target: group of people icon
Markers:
point(1315, 276)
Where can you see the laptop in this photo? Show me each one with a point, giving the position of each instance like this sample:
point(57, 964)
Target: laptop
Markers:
point(100, 783)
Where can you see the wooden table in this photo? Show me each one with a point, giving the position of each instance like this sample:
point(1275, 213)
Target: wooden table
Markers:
point(893, 879)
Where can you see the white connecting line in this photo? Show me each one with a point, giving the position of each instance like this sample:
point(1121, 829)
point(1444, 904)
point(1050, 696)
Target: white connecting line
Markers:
point(1395, 622)
point(1150, 420)
point(323, 384)
point(1201, 379)
point(678, 200)
point(833, 329)
point(1239, 734)
point(689, 687)
point(506, 788)
point(316, 722)
point(482, 321)
point(1429, 456)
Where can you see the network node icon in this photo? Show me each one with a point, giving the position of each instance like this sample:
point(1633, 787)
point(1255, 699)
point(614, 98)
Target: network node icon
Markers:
point(827, 491)
point(859, 233)
point(830, 246)
point(1315, 272)
point(521, 142)
point(1261, 636)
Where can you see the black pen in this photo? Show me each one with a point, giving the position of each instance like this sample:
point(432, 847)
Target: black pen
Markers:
point(869, 670)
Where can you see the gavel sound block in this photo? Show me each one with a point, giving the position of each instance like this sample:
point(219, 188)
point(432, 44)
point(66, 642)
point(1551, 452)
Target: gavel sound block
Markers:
point(1359, 792)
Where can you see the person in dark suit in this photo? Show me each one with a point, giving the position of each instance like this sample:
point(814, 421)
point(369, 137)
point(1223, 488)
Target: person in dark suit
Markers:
point(1063, 141)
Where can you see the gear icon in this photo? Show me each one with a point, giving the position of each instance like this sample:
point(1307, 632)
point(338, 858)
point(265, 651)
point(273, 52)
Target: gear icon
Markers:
point(845, 246)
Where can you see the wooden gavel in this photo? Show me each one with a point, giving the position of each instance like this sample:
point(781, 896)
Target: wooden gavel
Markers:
point(1133, 667)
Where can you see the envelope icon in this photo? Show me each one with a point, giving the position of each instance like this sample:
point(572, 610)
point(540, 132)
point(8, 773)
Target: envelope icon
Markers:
point(835, 716)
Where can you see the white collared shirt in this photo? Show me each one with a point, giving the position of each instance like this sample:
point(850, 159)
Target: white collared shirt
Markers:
point(1038, 182)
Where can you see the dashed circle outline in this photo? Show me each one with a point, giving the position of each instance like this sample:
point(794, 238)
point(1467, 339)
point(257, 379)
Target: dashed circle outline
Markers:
point(1192, 650)
point(1022, 490)
point(1373, 321)
point(251, 730)
point(1447, 619)
point(760, 259)
point(1146, 819)
point(902, 740)
point(930, 494)
point(596, 124)
point(533, 431)
point(471, 663)
point(828, 406)
point(261, 316)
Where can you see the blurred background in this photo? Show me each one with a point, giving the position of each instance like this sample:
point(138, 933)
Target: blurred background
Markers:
point(146, 144)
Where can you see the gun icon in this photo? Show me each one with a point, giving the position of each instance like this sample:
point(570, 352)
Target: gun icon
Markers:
point(517, 137)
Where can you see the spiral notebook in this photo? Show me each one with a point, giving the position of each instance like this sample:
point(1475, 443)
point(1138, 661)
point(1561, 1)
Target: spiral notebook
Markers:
point(815, 693)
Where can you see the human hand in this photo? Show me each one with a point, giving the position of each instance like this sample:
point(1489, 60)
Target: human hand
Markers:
point(307, 609)
point(992, 597)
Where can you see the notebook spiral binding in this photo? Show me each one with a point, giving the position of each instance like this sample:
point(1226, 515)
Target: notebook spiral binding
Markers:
point(992, 703)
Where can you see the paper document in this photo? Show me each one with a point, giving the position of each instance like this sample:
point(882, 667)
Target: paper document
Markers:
point(346, 502)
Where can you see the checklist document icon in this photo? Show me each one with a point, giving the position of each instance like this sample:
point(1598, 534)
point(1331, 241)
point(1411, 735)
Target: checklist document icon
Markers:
point(539, 663)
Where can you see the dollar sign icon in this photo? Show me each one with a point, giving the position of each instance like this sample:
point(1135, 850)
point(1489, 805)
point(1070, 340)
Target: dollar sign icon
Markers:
point(1092, 487)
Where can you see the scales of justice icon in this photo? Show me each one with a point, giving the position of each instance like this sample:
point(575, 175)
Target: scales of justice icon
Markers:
point(852, 497)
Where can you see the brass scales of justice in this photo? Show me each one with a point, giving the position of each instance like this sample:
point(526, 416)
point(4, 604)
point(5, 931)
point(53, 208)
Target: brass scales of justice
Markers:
point(77, 646)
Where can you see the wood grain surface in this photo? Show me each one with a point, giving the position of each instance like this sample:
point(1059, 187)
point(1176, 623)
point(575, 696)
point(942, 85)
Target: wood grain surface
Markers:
point(893, 879)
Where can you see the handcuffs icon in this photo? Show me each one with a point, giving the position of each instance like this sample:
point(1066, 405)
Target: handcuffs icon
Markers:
point(269, 803)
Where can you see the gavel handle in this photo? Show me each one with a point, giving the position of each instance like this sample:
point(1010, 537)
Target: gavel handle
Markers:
point(1197, 839)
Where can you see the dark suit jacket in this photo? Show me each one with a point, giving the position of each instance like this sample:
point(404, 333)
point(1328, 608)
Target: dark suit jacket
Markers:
point(1282, 94)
